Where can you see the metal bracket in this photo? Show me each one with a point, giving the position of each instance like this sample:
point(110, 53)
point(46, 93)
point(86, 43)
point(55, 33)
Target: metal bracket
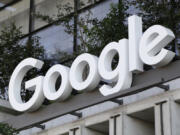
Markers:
point(162, 86)
point(161, 102)
point(74, 130)
point(79, 115)
point(115, 116)
point(177, 57)
point(40, 126)
point(120, 102)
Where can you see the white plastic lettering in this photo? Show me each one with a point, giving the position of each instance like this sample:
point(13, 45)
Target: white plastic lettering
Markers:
point(135, 34)
point(121, 74)
point(77, 69)
point(147, 47)
point(65, 88)
point(34, 84)
point(152, 45)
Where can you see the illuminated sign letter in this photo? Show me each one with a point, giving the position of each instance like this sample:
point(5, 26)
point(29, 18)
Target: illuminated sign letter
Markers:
point(147, 47)
point(135, 33)
point(121, 73)
point(152, 45)
point(34, 84)
point(77, 69)
point(49, 89)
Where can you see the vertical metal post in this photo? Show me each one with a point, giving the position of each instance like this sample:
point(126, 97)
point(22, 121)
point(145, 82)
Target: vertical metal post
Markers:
point(31, 28)
point(76, 7)
point(115, 123)
point(161, 116)
point(162, 122)
point(31, 17)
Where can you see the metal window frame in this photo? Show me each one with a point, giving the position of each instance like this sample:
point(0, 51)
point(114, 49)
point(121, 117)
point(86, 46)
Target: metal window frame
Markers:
point(9, 4)
point(75, 14)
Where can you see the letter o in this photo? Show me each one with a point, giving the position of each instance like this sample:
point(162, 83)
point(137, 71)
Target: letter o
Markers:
point(76, 72)
point(64, 90)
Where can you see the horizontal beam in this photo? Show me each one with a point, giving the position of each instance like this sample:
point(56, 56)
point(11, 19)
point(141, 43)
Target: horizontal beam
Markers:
point(141, 82)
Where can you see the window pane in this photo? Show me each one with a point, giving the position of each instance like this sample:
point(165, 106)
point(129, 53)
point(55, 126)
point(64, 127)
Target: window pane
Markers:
point(55, 41)
point(52, 9)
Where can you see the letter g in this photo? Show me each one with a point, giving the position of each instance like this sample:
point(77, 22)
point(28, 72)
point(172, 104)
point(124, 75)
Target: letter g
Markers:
point(35, 84)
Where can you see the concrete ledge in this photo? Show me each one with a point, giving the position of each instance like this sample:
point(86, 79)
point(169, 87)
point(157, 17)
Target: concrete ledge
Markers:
point(6, 108)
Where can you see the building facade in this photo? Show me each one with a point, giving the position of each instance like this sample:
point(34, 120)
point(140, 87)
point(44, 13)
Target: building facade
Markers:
point(150, 107)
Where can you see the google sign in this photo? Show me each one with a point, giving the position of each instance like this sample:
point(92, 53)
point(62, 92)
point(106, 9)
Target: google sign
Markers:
point(147, 47)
